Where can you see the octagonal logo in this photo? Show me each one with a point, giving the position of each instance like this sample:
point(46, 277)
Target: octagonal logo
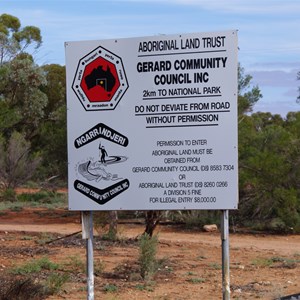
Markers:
point(100, 81)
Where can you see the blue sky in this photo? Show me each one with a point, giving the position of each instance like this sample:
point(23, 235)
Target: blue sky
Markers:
point(269, 32)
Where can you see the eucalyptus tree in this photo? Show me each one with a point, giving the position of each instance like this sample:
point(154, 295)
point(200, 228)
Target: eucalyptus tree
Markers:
point(22, 102)
point(21, 96)
point(248, 94)
point(14, 39)
point(52, 138)
point(269, 171)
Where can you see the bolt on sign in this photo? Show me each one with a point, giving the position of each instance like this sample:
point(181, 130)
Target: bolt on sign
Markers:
point(152, 122)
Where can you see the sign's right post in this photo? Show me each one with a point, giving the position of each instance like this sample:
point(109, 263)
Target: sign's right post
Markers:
point(225, 254)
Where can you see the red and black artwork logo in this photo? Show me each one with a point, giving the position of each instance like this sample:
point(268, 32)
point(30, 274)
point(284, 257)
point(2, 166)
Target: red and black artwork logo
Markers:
point(100, 80)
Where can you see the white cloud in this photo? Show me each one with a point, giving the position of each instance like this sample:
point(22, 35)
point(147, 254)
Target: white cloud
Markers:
point(235, 6)
point(276, 78)
point(291, 67)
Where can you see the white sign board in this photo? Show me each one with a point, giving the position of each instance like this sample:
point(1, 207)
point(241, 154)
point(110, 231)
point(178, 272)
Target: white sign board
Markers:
point(152, 122)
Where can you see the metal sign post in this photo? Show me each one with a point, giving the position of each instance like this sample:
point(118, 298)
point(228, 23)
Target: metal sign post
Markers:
point(87, 234)
point(225, 254)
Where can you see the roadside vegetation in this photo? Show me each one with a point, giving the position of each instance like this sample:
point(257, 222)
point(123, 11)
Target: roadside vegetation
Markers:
point(10, 200)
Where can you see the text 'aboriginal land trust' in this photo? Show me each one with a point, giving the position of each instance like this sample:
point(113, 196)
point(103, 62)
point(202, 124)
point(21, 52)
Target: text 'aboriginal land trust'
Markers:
point(189, 43)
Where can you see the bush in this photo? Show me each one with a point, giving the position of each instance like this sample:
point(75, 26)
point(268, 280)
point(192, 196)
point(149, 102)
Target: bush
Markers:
point(8, 195)
point(17, 164)
point(34, 266)
point(47, 281)
point(47, 199)
point(147, 255)
point(54, 282)
point(22, 289)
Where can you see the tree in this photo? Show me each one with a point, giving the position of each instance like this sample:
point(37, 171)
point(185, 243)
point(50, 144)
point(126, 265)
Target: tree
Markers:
point(51, 139)
point(32, 97)
point(268, 163)
point(55, 89)
point(248, 95)
point(20, 77)
point(22, 102)
point(17, 164)
point(20, 82)
point(14, 40)
point(152, 219)
point(269, 170)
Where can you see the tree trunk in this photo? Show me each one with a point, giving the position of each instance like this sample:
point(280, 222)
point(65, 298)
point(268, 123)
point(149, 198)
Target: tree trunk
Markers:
point(152, 218)
point(113, 223)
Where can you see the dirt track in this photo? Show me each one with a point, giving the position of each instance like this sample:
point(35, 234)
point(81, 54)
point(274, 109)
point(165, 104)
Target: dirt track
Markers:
point(193, 268)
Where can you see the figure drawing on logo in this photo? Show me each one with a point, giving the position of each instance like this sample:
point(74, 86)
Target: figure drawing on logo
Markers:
point(103, 153)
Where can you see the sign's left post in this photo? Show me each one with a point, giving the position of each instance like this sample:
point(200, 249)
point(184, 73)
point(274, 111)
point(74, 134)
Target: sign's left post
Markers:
point(87, 234)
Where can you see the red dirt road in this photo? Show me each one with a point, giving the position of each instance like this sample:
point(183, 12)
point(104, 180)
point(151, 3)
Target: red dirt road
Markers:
point(261, 266)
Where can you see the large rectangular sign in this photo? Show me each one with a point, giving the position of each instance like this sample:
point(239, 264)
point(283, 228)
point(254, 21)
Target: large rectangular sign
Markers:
point(152, 122)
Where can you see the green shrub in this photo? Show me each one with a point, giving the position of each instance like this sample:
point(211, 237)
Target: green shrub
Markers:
point(75, 265)
point(147, 255)
point(8, 195)
point(46, 199)
point(54, 282)
point(196, 280)
point(110, 288)
point(32, 197)
point(99, 267)
point(35, 266)
point(43, 198)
